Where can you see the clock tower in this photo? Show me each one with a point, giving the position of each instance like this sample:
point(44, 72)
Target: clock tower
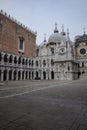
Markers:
point(81, 54)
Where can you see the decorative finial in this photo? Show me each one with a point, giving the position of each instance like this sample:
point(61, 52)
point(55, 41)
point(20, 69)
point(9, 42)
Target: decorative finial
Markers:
point(67, 32)
point(84, 30)
point(62, 28)
point(63, 33)
point(56, 30)
point(45, 37)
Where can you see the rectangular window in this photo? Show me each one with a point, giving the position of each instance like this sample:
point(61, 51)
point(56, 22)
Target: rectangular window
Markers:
point(21, 44)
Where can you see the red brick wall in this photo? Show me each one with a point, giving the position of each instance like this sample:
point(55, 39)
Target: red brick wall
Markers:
point(9, 38)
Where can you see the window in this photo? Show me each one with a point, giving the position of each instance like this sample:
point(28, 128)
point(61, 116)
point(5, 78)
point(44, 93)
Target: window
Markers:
point(44, 63)
point(21, 44)
point(36, 63)
point(52, 62)
point(52, 50)
point(82, 51)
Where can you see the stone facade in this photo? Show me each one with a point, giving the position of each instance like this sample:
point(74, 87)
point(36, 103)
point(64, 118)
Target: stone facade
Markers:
point(81, 54)
point(58, 54)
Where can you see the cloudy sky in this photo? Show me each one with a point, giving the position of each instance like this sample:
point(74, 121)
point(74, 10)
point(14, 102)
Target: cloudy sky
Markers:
point(41, 15)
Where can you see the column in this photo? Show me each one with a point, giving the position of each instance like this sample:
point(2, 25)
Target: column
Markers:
point(28, 75)
point(21, 75)
point(24, 75)
point(17, 75)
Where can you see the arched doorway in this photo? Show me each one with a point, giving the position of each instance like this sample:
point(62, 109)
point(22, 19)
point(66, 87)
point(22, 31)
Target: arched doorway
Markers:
point(22, 75)
point(19, 75)
point(44, 75)
point(29, 74)
point(52, 75)
point(36, 75)
point(15, 75)
point(32, 74)
point(5, 75)
point(26, 74)
point(10, 74)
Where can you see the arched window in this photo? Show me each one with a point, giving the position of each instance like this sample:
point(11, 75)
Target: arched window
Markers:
point(23, 61)
point(32, 63)
point(68, 68)
point(52, 50)
point(44, 63)
point(29, 62)
point(19, 60)
point(15, 59)
point(26, 62)
point(10, 59)
point(36, 63)
point(52, 62)
point(82, 64)
point(5, 58)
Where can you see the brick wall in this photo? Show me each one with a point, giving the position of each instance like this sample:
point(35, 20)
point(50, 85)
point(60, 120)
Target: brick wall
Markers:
point(10, 32)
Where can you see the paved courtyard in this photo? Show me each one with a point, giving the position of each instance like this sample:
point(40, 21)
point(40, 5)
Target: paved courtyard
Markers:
point(43, 105)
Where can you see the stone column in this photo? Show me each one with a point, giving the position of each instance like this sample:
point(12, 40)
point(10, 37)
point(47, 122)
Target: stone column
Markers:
point(17, 75)
point(47, 75)
point(21, 75)
point(41, 74)
point(24, 75)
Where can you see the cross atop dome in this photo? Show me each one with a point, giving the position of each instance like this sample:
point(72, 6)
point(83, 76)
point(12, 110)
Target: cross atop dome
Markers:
point(56, 30)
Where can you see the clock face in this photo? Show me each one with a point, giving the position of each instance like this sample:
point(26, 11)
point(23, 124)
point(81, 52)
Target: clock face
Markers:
point(82, 51)
point(62, 51)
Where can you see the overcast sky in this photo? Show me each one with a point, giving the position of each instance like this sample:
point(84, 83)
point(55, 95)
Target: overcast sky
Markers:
point(41, 15)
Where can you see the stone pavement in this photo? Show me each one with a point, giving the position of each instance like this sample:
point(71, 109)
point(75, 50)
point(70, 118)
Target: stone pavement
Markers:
point(43, 105)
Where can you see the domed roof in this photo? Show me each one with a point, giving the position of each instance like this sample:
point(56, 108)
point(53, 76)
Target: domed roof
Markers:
point(56, 36)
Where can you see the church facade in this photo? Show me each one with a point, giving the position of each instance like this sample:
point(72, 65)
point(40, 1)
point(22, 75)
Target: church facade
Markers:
point(57, 58)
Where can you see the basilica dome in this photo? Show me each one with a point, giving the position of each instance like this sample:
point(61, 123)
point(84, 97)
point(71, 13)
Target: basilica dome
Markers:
point(56, 36)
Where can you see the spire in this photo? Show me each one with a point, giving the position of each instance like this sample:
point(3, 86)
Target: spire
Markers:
point(63, 33)
point(62, 28)
point(84, 31)
point(68, 32)
point(56, 30)
point(45, 37)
